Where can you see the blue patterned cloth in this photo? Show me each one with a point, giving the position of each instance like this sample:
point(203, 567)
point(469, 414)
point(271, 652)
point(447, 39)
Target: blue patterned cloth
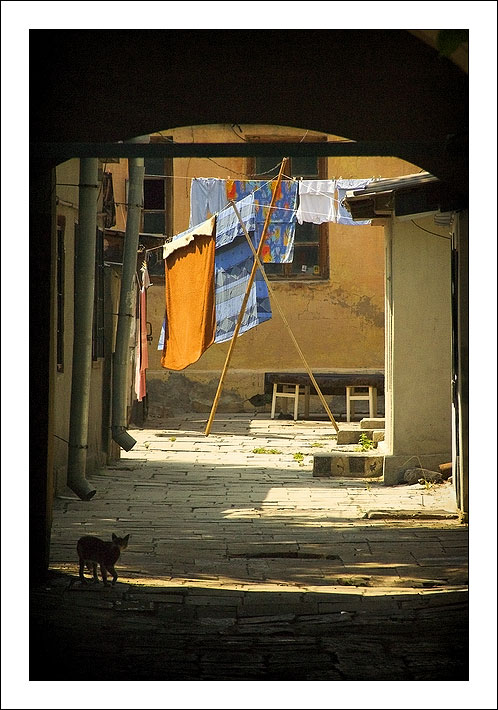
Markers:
point(233, 262)
point(232, 267)
point(279, 243)
point(343, 215)
point(228, 225)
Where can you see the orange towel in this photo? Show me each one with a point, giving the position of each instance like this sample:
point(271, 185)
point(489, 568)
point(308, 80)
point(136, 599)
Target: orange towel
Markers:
point(190, 304)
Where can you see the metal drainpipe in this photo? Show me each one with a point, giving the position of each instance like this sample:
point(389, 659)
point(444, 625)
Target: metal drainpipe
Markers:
point(126, 311)
point(84, 284)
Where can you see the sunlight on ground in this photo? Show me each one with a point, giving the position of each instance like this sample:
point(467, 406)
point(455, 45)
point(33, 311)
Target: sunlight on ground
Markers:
point(403, 587)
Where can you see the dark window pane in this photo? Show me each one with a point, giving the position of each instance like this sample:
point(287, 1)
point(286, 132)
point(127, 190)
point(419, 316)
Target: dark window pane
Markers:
point(307, 232)
point(153, 194)
point(306, 166)
point(154, 166)
point(305, 260)
point(265, 164)
point(274, 269)
point(154, 223)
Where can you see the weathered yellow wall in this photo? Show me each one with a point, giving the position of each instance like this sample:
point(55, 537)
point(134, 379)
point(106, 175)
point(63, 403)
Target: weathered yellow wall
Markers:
point(418, 386)
point(339, 323)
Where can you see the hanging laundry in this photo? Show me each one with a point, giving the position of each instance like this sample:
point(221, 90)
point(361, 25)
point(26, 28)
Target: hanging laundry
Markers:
point(343, 215)
point(142, 351)
point(228, 224)
point(279, 242)
point(316, 201)
point(207, 197)
point(190, 314)
point(233, 265)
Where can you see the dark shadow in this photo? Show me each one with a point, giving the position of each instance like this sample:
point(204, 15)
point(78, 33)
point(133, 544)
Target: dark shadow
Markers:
point(149, 633)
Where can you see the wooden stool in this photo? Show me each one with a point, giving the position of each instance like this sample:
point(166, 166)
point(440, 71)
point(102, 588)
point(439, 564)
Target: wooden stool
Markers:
point(358, 393)
point(290, 391)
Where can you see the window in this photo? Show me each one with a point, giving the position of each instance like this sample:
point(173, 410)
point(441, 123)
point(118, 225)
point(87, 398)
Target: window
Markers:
point(158, 194)
point(310, 241)
point(60, 278)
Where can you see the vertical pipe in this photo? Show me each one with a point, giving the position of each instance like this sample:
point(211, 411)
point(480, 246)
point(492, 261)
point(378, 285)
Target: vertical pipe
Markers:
point(84, 285)
point(126, 311)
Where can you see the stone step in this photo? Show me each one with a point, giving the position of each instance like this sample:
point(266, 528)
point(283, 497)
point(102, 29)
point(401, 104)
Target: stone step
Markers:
point(348, 465)
point(352, 436)
point(373, 423)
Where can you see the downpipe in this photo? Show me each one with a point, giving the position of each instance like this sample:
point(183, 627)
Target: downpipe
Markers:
point(126, 310)
point(84, 285)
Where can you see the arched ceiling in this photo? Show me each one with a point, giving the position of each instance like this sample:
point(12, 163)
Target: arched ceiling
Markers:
point(98, 86)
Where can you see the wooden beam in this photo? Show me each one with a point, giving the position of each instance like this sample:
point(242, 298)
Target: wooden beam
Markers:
point(65, 151)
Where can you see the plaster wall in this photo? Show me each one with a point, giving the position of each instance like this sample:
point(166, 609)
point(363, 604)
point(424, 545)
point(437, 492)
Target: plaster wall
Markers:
point(67, 179)
point(418, 377)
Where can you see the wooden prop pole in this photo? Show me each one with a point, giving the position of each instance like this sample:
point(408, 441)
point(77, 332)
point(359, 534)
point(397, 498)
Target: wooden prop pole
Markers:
point(275, 300)
point(246, 297)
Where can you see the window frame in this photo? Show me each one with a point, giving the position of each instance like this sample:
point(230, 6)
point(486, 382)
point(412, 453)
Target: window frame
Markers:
point(167, 181)
point(323, 232)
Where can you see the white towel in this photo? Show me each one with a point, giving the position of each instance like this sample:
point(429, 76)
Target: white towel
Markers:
point(316, 201)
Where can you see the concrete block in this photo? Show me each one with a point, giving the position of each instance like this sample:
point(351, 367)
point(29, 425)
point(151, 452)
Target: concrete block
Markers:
point(375, 423)
point(378, 435)
point(351, 436)
point(350, 465)
point(321, 465)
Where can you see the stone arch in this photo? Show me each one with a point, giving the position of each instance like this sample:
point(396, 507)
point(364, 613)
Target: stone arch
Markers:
point(382, 85)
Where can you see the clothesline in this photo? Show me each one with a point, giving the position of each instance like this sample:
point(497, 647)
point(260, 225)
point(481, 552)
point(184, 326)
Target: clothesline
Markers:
point(283, 209)
point(189, 177)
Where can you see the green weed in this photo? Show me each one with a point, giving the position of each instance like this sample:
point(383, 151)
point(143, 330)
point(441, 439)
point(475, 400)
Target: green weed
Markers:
point(262, 450)
point(365, 443)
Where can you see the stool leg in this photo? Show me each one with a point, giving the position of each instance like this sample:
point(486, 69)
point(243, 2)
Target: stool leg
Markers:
point(274, 400)
point(296, 403)
point(306, 401)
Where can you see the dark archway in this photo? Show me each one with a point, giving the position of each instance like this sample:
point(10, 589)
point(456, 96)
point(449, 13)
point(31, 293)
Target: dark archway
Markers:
point(383, 85)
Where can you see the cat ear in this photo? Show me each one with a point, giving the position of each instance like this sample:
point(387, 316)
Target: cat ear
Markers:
point(114, 537)
point(125, 539)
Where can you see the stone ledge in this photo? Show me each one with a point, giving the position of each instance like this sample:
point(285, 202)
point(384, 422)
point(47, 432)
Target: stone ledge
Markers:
point(350, 465)
point(374, 423)
point(411, 515)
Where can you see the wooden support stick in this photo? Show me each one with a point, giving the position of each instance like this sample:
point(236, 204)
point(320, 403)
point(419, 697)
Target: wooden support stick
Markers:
point(279, 308)
point(246, 297)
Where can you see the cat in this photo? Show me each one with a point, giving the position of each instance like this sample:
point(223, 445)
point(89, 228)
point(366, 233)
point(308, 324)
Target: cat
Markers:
point(92, 550)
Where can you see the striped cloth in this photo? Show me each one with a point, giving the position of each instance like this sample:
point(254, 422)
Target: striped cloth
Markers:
point(233, 264)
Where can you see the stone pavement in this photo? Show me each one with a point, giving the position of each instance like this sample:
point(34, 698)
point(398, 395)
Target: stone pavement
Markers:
point(241, 565)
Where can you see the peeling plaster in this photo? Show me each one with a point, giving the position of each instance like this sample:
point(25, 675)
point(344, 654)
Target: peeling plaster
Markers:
point(360, 306)
point(180, 394)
